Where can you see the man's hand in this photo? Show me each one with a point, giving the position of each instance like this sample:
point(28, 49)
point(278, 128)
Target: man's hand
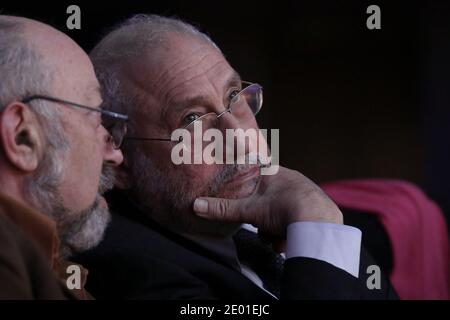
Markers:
point(279, 200)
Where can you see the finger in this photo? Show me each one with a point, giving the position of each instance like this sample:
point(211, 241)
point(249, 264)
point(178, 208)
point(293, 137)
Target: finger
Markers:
point(220, 209)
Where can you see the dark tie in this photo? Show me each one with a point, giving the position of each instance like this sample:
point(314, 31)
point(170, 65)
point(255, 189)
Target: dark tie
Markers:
point(261, 258)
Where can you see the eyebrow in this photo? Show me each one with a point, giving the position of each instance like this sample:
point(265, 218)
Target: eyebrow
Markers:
point(99, 91)
point(233, 80)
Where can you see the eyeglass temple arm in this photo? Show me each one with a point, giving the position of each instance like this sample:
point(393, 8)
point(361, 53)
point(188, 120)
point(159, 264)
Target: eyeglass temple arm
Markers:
point(107, 112)
point(148, 139)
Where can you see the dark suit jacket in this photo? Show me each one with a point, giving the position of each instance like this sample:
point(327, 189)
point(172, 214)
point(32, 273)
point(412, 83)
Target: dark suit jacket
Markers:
point(140, 260)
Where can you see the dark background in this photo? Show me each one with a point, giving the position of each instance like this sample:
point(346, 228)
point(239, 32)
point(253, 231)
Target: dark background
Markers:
point(349, 102)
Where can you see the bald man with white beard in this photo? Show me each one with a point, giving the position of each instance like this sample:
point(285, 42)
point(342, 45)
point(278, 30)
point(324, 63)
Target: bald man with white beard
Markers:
point(53, 147)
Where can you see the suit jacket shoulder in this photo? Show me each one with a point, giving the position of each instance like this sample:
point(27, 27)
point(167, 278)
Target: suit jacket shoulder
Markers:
point(139, 259)
point(136, 262)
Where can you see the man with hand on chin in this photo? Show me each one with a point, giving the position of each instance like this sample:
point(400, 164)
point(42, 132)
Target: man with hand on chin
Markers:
point(168, 76)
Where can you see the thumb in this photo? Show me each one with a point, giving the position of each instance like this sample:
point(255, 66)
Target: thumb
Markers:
point(219, 209)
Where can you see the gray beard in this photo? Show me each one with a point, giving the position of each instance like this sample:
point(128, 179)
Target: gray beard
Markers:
point(82, 231)
point(169, 197)
point(77, 231)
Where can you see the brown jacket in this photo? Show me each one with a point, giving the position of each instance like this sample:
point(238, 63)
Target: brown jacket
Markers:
point(29, 259)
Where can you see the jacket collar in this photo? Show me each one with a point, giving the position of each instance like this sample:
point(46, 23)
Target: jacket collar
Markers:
point(39, 227)
point(42, 230)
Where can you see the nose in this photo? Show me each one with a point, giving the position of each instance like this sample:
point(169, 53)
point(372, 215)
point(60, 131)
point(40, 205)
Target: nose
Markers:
point(245, 136)
point(112, 156)
point(227, 120)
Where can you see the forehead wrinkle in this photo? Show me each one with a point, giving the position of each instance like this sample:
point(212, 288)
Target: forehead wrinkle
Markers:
point(234, 78)
point(166, 97)
point(159, 79)
point(140, 93)
point(189, 66)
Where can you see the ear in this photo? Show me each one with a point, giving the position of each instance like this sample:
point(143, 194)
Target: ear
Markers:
point(123, 177)
point(22, 143)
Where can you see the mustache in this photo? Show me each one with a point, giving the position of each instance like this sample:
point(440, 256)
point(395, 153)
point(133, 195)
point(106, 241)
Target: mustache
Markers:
point(231, 170)
point(107, 179)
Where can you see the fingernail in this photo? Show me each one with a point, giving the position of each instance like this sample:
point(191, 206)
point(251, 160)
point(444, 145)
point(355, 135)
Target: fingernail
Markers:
point(200, 206)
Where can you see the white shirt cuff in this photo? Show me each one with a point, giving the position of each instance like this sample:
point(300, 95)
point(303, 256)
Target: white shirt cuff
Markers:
point(337, 244)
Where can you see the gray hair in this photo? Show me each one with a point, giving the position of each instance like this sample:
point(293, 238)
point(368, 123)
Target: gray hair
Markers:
point(129, 38)
point(125, 43)
point(25, 72)
point(23, 69)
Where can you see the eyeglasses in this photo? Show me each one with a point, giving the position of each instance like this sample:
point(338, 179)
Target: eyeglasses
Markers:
point(243, 105)
point(114, 123)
